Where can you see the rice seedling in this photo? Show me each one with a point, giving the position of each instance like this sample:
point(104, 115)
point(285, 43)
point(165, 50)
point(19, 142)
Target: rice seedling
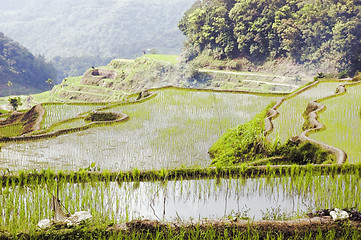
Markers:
point(60, 112)
point(71, 123)
point(174, 128)
point(111, 202)
point(342, 121)
point(290, 121)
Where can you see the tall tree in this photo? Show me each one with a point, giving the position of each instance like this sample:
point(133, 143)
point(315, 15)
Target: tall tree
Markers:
point(308, 32)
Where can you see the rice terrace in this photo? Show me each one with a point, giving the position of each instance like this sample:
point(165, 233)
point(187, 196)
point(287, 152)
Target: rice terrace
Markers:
point(184, 162)
point(182, 119)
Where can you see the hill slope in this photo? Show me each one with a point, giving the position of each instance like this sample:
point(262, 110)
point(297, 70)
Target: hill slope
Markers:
point(123, 78)
point(26, 73)
point(324, 35)
point(94, 28)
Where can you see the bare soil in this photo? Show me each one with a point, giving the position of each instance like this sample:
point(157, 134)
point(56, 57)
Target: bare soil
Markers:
point(30, 120)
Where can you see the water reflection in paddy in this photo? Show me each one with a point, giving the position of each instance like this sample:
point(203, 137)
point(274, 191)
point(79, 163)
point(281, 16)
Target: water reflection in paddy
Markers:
point(269, 198)
point(173, 129)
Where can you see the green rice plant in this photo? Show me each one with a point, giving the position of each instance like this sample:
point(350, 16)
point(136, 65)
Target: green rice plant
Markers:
point(110, 202)
point(343, 123)
point(60, 112)
point(177, 127)
point(290, 121)
point(72, 123)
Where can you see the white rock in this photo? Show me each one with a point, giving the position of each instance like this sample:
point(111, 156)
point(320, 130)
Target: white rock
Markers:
point(81, 216)
point(69, 222)
point(339, 214)
point(45, 223)
point(74, 219)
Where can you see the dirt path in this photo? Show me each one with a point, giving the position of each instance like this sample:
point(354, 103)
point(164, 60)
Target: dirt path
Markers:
point(32, 119)
point(256, 75)
point(41, 111)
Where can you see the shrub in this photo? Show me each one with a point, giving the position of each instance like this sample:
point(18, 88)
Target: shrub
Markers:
point(303, 153)
point(241, 144)
point(101, 116)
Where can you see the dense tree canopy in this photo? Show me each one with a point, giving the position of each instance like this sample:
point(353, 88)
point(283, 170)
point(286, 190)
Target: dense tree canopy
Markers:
point(326, 32)
point(20, 71)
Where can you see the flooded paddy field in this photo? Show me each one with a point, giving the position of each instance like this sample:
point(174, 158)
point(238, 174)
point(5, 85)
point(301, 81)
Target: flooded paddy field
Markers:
point(290, 121)
point(176, 128)
point(343, 123)
point(268, 198)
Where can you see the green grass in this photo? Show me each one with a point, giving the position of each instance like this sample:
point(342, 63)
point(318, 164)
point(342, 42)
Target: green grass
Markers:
point(165, 58)
point(11, 130)
point(241, 144)
point(41, 97)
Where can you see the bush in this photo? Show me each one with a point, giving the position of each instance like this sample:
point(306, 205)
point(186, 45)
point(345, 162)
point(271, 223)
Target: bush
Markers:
point(241, 144)
point(343, 74)
point(321, 75)
point(101, 116)
point(15, 102)
point(303, 153)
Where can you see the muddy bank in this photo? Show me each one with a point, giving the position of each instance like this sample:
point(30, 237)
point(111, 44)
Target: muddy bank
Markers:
point(312, 124)
point(288, 228)
point(30, 120)
point(320, 228)
point(311, 112)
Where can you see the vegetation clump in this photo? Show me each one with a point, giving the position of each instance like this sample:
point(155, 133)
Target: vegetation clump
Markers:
point(261, 31)
point(96, 116)
point(241, 144)
point(247, 143)
point(303, 153)
point(15, 102)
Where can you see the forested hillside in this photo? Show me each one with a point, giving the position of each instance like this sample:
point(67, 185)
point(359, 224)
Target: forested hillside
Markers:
point(20, 71)
point(94, 30)
point(323, 33)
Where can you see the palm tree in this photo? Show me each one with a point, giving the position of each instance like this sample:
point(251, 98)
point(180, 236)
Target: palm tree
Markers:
point(9, 84)
point(49, 82)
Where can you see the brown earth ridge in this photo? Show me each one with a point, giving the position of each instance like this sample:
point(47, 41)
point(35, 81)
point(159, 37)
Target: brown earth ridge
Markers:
point(30, 120)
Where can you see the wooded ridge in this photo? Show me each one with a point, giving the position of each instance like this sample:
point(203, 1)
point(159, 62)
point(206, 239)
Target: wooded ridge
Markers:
point(322, 33)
